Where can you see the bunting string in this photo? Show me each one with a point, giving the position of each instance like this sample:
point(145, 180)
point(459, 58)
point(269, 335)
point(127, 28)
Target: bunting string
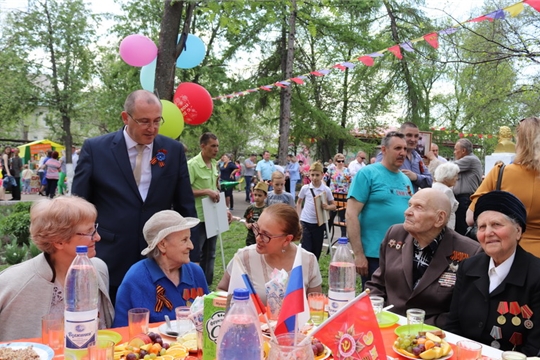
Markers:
point(369, 60)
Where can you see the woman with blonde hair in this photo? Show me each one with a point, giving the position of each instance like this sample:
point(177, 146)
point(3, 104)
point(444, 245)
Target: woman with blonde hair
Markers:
point(35, 288)
point(445, 177)
point(522, 179)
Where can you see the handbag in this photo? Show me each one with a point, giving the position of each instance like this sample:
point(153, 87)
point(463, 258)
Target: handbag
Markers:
point(472, 230)
point(9, 182)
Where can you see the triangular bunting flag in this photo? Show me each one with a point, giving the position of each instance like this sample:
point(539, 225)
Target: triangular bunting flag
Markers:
point(297, 80)
point(514, 10)
point(407, 46)
point(496, 15)
point(448, 31)
point(282, 84)
point(432, 39)
point(480, 19)
point(396, 51)
point(267, 87)
point(535, 4)
point(348, 65)
point(340, 67)
point(377, 54)
point(367, 60)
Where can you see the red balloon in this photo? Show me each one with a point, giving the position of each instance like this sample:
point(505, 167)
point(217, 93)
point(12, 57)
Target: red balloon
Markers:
point(194, 102)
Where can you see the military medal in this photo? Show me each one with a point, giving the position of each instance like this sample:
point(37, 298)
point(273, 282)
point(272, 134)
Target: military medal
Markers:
point(496, 334)
point(516, 339)
point(527, 313)
point(502, 309)
point(515, 310)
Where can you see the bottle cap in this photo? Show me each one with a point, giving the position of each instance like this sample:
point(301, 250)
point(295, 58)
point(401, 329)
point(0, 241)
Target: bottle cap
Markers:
point(81, 249)
point(343, 240)
point(241, 294)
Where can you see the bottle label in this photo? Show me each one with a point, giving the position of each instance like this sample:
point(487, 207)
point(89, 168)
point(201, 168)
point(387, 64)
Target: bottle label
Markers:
point(80, 328)
point(336, 300)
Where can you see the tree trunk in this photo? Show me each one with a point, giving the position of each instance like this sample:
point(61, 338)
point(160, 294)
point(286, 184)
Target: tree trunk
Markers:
point(168, 49)
point(285, 96)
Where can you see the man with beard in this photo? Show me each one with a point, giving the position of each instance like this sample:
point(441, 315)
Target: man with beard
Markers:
point(413, 166)
point(377, 198)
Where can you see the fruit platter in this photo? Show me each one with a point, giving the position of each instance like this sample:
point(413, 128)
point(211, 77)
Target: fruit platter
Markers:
point(151, 346)
point(423, 345)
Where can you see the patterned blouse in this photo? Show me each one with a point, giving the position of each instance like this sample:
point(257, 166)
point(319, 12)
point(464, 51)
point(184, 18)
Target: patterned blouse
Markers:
point(339, 180)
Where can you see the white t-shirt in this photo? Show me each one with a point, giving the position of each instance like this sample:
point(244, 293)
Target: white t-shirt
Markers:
point(308, 212)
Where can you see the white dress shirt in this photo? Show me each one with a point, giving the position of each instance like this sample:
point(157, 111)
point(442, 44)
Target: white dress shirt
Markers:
point(146, 170)
point(498, 273)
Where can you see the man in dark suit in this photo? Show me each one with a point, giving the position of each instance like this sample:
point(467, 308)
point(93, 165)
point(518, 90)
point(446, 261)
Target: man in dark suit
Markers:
point(419, 259)
point(129, 175)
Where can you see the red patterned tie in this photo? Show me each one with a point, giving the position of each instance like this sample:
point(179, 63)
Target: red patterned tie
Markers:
point(161, 299)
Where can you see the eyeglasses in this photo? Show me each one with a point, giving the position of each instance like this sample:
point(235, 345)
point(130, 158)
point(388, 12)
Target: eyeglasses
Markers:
point(363, 158)
point(264, 237)
point(90, 234)
point(340, 161)
point(147, 122)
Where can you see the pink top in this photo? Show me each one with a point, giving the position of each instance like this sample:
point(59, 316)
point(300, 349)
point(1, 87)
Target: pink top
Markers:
point(53, 166)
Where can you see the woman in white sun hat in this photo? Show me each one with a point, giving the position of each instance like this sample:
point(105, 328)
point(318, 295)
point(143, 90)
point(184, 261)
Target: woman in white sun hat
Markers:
point(165, 279)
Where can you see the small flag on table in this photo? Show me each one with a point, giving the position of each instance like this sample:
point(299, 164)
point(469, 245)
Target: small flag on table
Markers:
point(353, 332)
point(294, 310)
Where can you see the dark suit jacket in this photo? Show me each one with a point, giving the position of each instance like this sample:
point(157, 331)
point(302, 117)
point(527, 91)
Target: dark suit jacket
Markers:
point(393, 280)
point(474, 310)
point(105, 178)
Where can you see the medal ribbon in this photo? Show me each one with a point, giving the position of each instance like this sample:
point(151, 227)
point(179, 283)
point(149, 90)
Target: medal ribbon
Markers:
point(496, 332)
point(502, 308)
point(526, 312)
point(516, 339)
point(514, 308)
point(161, 300)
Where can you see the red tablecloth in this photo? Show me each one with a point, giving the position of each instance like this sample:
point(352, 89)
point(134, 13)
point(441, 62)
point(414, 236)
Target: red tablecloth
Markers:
point(388, 337)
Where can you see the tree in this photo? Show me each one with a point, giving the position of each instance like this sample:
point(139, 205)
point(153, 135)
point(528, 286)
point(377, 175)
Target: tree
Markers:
point(57, 46)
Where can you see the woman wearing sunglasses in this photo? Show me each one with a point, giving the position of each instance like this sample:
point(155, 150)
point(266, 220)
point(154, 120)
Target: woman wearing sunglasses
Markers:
point(275, 232)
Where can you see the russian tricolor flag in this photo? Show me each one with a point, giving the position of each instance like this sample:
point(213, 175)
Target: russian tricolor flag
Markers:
point(295, 309)
point(239, 279)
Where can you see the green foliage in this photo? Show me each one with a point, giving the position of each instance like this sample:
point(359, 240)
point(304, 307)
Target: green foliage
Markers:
point(22, 206)
point(13, 253)
point(33, 250)
point(17, 224)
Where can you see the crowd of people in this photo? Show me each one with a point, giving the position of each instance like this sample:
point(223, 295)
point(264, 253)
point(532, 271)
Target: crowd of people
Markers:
point(406, 217)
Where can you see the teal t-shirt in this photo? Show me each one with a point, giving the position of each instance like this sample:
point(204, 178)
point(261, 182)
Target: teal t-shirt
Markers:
point(385, 195)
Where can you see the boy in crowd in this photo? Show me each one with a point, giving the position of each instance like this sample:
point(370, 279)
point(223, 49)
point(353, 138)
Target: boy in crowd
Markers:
point(279, 195)
point(254, 210)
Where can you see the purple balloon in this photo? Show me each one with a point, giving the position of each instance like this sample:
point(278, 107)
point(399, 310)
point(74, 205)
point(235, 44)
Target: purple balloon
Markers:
point(138, 50)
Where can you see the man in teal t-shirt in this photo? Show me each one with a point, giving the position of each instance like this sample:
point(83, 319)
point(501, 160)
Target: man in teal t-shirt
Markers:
point(377, 199)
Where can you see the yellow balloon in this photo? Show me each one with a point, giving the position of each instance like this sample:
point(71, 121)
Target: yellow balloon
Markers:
point(174, 120)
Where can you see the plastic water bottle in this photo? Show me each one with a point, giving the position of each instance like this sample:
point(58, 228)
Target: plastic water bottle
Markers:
point(341, 277)
point(81, 306)
point(240, 333)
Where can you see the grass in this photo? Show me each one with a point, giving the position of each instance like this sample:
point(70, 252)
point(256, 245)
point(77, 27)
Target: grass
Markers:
point(235, 239)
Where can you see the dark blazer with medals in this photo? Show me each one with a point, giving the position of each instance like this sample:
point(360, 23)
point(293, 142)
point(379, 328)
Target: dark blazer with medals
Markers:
point(394, 278)
point(474, 311)
point(105, 178)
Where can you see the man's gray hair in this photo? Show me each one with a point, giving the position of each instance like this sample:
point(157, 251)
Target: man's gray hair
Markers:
point(391, 134)
point(467, 145)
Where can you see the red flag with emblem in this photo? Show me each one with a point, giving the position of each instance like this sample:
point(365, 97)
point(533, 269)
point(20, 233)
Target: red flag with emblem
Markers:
point(353, 332)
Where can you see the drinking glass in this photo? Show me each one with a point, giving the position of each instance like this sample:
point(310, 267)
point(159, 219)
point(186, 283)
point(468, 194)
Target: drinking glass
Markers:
point(513, 355)
point(101, 350)
point(183, 320)
point(316, 303)
point(469, 350)
point(377, 302)
point(52, 332)
point(415, 317)
point(285, 348)
point(138, 320)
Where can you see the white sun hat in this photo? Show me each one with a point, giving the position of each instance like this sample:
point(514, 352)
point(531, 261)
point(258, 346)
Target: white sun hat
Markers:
point(162, 224)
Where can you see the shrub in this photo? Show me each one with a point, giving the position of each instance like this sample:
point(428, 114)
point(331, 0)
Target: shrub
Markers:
point(17, 224)
point(33, 250)
point(22, 206)
point(14, 253)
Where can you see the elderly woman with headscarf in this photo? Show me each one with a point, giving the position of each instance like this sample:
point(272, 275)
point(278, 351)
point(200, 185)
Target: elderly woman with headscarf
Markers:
point(496, 300)
point(35, 288)
point(166, 279)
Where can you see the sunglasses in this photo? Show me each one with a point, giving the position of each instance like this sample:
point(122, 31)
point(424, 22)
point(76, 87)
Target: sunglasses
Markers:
point(340, 161)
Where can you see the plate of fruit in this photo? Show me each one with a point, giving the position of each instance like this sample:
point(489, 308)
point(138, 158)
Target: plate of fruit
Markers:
point(423, 345)
point(152, 346)
point(320, 350)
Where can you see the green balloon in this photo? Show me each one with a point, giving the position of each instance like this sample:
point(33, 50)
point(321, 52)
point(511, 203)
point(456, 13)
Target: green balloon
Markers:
point(174, 120)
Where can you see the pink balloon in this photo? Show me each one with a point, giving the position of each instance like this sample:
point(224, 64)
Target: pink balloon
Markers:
point(194, 102)
point(138, 50)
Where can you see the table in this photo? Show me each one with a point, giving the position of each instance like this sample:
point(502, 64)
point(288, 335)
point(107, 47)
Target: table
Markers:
point(388, 336)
